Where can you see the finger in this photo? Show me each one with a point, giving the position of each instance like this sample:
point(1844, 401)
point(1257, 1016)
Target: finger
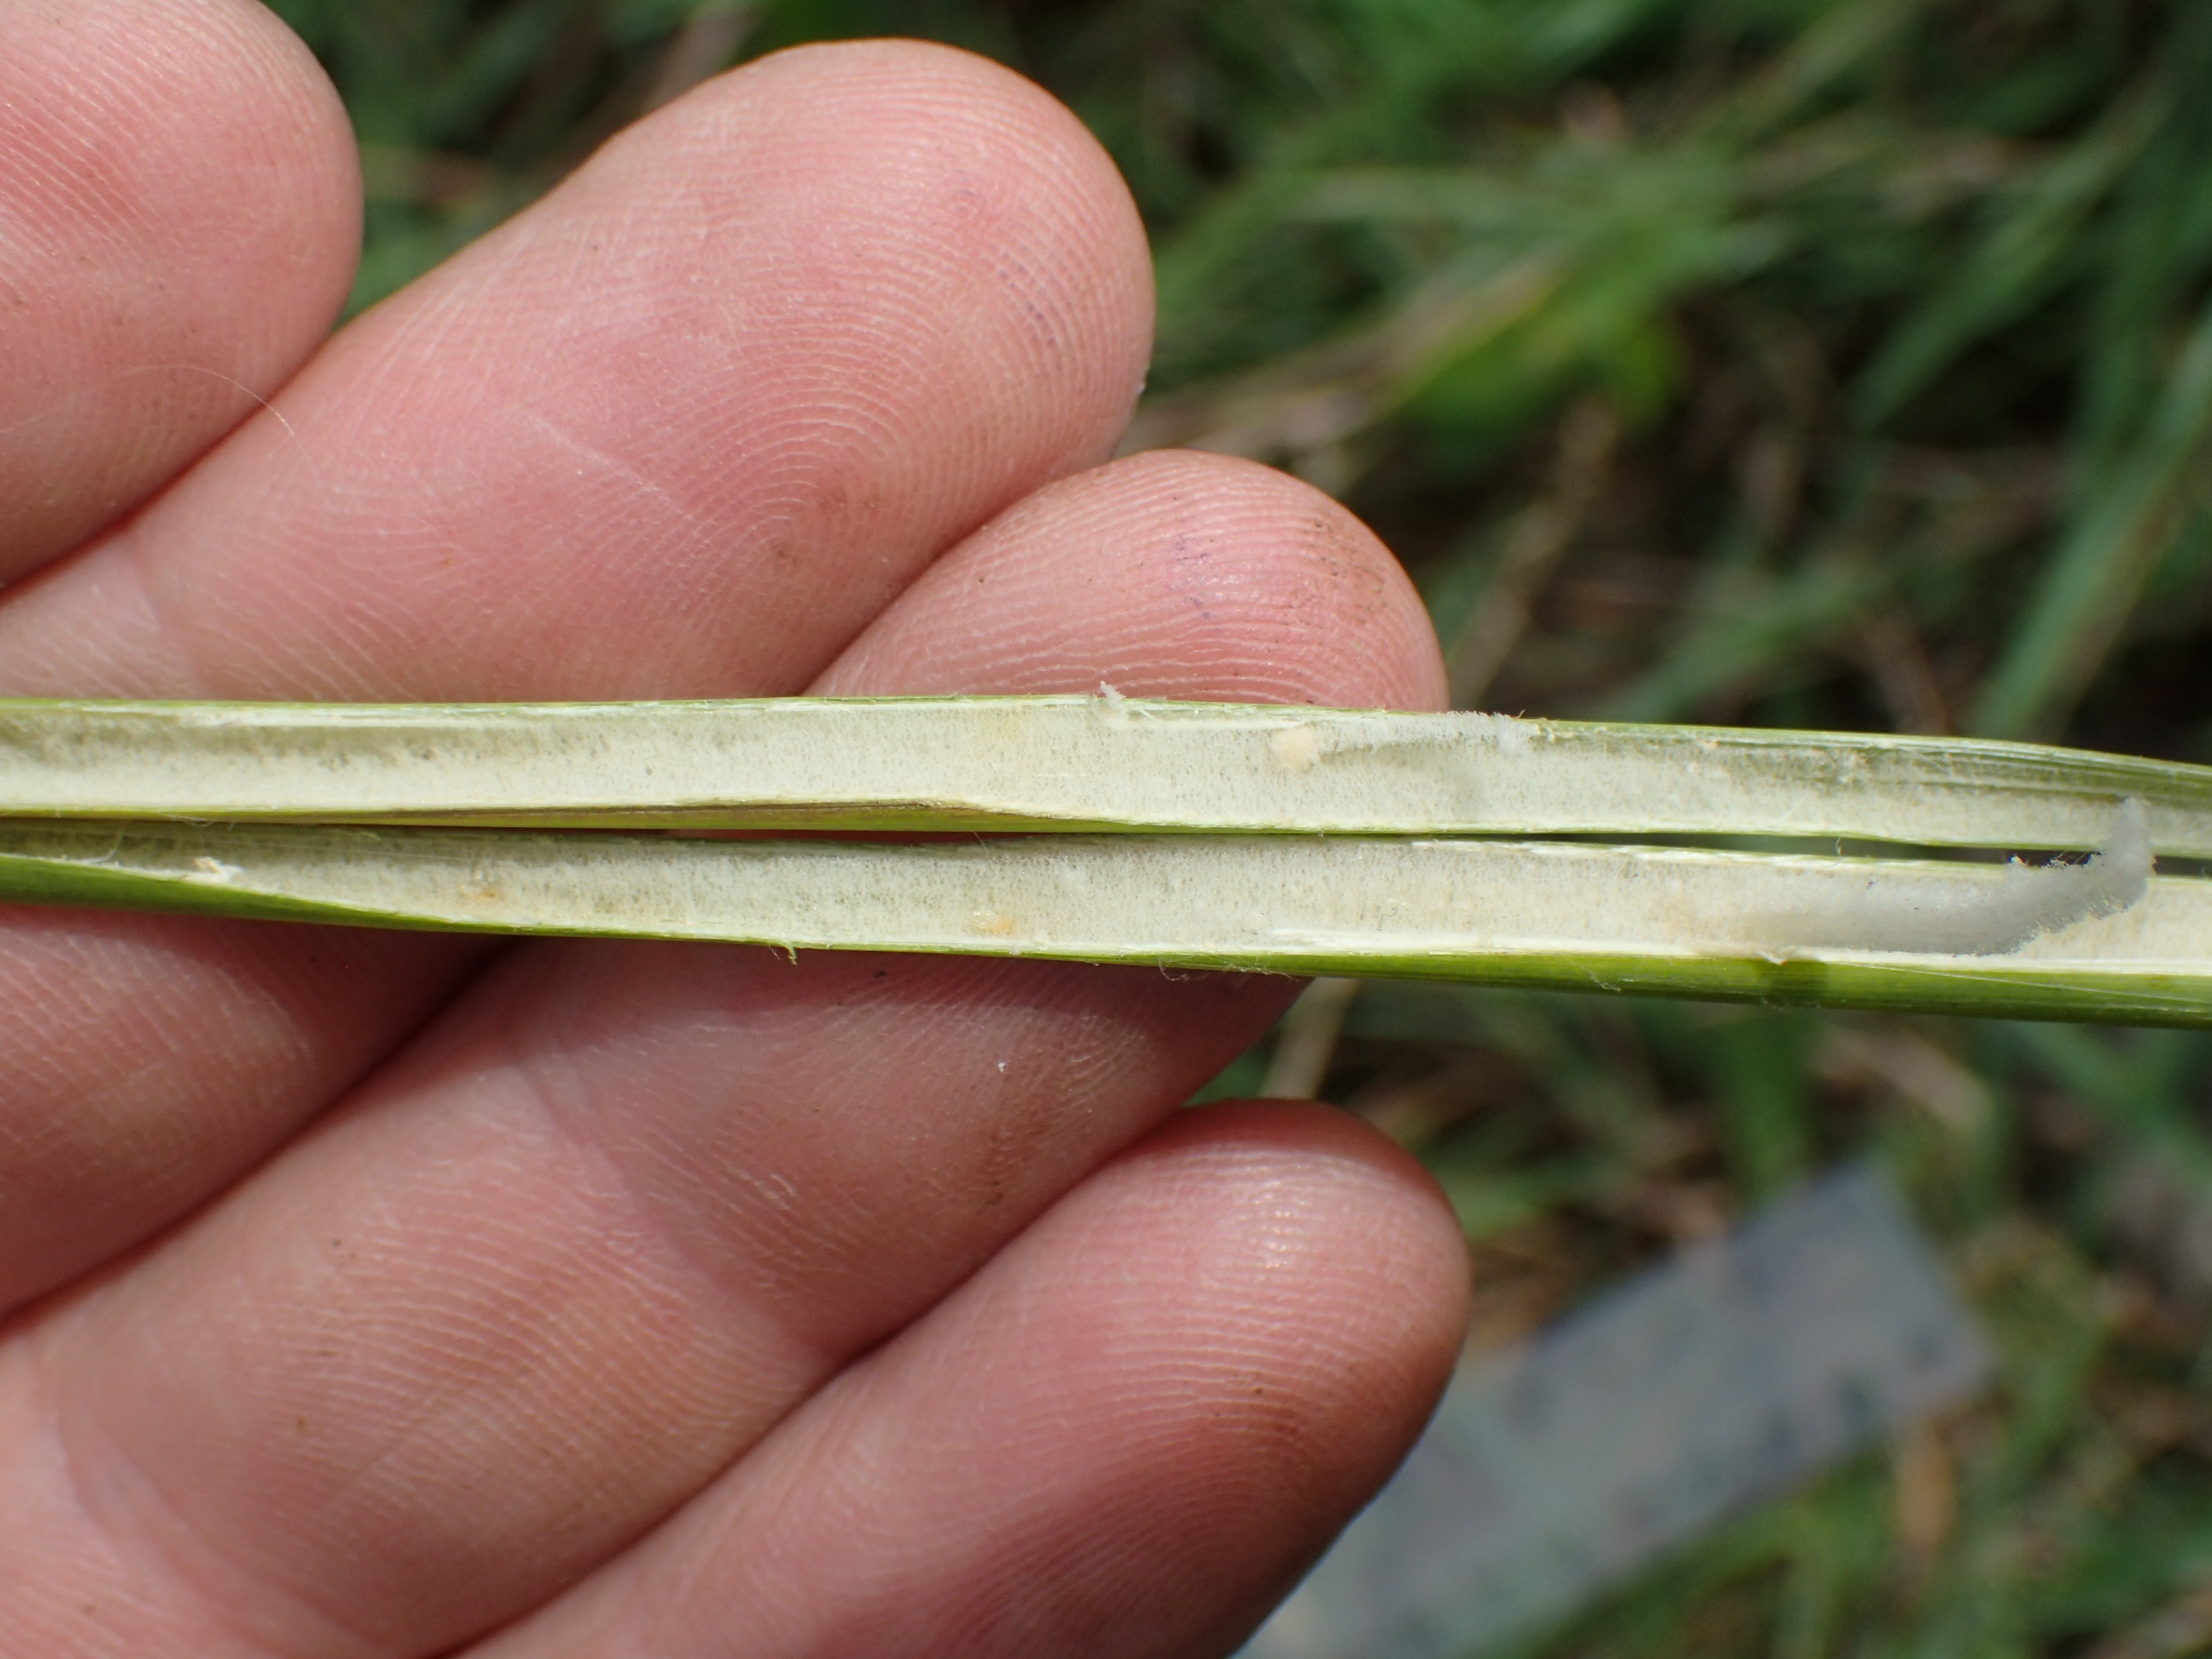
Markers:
point(1126, 1434)
point(735, 383)
point(633, 1204)
point(1166, 571)
point(148, 1061)
point(677, 430)
point(179, 216)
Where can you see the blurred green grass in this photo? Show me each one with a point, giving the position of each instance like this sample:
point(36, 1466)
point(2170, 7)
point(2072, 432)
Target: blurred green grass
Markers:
point(1810, 362)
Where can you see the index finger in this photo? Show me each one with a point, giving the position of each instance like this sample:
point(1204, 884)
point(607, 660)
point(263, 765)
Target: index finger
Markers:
point(147, 301)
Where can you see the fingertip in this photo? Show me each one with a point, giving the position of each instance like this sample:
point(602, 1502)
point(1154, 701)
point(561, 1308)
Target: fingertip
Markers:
point(180, 200)
point(1356, 1270)
point(1195, 1372)
point(1190, 1375)
point(1173, 574)
point(995, 180)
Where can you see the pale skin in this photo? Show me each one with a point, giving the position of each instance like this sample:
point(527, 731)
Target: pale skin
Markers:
point(374, 1296)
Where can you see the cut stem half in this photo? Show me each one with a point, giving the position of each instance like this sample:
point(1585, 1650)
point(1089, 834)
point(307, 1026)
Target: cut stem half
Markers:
point(1100, 765)
point(1920, 934)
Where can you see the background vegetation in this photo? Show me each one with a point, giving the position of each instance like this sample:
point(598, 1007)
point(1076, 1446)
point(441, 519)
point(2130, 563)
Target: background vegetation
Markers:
point(1808, 362)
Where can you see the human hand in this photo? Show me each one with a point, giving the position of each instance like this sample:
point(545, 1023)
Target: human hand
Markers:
point(379, 1294)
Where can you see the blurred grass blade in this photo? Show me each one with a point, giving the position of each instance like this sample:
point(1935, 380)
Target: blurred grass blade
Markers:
point(2024, 254)
point(2091, 586)
point(1682, 922)
point(1103, 763)
point(1729, 644)
point(1839, 40)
